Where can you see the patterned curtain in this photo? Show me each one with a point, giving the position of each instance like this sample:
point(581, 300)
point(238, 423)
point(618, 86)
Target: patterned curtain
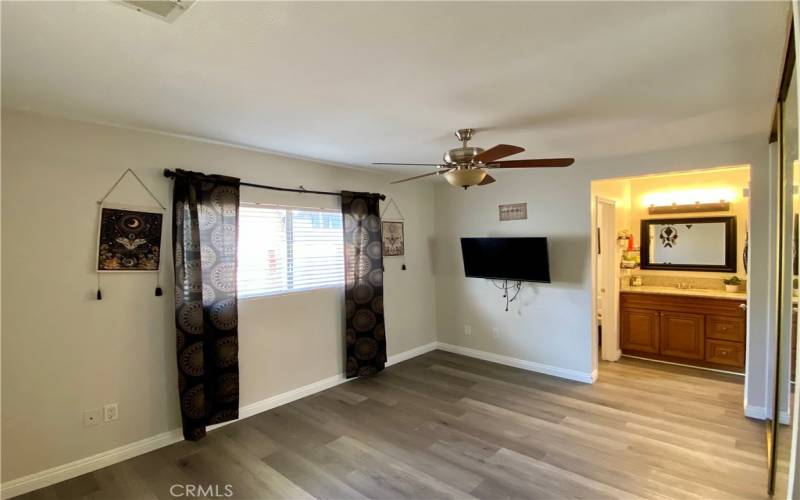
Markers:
point(206, 217)
point(365, 334)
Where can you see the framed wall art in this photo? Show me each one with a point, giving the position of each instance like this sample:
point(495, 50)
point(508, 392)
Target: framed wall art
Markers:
point(513, 211)
point(393, 239)
point(129, 239)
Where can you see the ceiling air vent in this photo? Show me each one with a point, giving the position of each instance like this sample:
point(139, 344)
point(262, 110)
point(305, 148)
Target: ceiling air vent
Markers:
point(166, 10)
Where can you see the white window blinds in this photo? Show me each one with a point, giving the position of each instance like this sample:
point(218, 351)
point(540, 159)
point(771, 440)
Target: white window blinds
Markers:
point(285, 249)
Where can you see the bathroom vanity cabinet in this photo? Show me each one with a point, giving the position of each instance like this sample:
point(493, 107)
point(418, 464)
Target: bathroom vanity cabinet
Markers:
point(698, 330)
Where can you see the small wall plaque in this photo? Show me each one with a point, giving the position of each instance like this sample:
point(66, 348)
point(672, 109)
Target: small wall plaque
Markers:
point(513, 211)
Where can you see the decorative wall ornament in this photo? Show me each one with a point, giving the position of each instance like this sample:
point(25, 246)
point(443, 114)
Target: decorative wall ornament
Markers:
point(513, 211)
point(129, 238)
point(393, 232)
point(668, 236)
point(746, 251)
point(393, 239)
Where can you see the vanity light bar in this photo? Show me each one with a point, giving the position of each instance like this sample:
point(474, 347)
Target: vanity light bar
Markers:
point(721, 206)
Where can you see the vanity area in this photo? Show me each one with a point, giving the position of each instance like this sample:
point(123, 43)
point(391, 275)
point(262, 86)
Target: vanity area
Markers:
point(669, 315)
point(697, 327)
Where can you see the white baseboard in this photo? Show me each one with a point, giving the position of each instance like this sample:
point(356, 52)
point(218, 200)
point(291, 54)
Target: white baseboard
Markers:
point(757, 412)
point(73, 469)
point(761, 413)
point(60, 473)
point(411, 353)
point(286, 398)
point(319, 386)
point(520, 363)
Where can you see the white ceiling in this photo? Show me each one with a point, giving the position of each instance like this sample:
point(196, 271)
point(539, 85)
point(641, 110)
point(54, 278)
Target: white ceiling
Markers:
point(354, 83)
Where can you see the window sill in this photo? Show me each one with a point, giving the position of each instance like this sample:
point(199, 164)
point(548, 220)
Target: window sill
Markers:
point(288, 292)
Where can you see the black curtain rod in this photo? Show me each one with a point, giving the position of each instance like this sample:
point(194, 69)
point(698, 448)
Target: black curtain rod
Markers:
point(171, 173)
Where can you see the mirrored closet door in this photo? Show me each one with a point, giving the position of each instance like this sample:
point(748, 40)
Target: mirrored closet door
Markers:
point(784, 404)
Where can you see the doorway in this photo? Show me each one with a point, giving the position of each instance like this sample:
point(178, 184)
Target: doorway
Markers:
point(607, 280)
point(670, 268)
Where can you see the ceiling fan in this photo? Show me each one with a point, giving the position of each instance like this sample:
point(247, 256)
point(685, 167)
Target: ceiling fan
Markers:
point(466, 166)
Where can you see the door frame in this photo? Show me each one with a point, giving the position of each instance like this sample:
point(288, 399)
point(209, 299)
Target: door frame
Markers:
point(606, 271)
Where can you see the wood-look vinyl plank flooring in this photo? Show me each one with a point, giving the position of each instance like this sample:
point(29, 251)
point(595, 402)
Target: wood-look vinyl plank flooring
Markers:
point(447, 426)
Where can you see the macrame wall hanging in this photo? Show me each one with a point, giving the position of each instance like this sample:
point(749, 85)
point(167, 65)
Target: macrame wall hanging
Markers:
point(129, 237)
point(393, 234)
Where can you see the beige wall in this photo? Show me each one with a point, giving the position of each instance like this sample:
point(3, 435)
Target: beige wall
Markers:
point(64, 352)
point(618, 190)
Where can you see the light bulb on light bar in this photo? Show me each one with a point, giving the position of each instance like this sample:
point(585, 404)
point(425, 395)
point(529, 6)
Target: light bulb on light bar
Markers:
point(689, 196)
point(720, 206)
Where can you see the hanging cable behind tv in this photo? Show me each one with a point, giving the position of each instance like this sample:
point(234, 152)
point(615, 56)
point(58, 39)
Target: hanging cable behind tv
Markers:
point(515, 287)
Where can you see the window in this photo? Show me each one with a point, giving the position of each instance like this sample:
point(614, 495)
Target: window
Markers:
point(286, 249)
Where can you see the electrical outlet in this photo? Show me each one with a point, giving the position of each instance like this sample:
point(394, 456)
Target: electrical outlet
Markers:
point(467, 330)
point(110, 412)
point(91, 417)
point(496, 333)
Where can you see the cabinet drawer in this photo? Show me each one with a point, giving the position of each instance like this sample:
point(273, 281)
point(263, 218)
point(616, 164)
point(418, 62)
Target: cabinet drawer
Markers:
point(725, 328)
point(725, 353)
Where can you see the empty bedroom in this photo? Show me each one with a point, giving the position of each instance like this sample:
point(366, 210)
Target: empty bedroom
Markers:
point(398, 249)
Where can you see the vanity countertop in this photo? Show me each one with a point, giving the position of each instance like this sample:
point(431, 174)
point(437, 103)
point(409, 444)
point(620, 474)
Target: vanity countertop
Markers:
point(691, 292)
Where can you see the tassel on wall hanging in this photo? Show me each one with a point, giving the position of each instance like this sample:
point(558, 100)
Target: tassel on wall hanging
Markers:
point(129, 237)
point(393, 234)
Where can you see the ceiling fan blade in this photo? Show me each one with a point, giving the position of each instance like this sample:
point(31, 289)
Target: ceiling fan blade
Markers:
point(497, 152)
point(487, 180)
point(416, 164)
point(540, 163)
point(421, 176)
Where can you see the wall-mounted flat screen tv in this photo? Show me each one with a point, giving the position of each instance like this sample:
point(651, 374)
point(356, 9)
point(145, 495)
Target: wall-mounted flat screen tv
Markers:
point(517, 259)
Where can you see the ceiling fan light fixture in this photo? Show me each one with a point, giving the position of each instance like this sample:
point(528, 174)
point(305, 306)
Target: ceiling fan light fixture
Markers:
point(465, 177)
point(464, 166)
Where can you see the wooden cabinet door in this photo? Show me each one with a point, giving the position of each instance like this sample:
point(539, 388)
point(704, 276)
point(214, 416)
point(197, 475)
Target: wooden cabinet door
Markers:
point(682, 335)
point(639, 330)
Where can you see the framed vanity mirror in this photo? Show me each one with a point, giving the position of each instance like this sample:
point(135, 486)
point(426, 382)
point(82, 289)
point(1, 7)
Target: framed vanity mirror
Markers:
point(689, 244)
